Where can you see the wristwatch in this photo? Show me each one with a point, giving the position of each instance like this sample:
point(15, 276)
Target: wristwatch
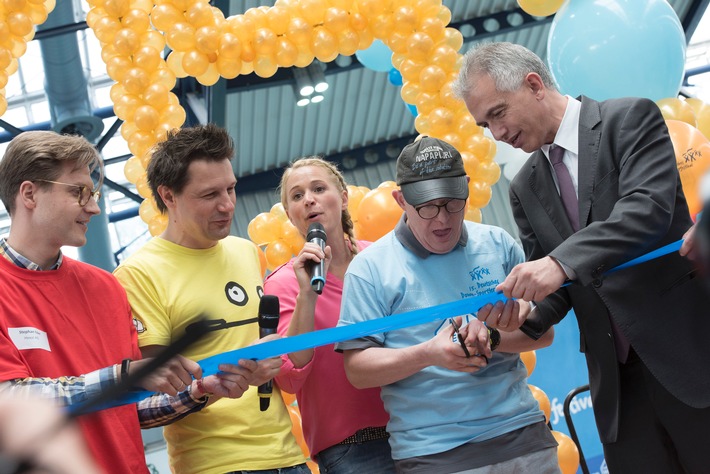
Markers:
point(494, 337)
point(125, 364)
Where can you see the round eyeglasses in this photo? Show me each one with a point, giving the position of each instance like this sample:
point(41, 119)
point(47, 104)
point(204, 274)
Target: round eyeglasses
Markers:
point(85, 193)
point(430, 211)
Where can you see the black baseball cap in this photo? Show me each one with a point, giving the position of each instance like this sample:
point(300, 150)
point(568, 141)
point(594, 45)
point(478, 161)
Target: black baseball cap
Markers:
point(431, 169)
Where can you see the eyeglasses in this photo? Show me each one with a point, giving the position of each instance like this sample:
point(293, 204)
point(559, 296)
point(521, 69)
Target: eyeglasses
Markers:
point(84, 192)
point(430, 211)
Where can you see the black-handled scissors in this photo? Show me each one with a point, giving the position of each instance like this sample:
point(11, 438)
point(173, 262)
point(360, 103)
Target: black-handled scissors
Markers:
point(458, 336)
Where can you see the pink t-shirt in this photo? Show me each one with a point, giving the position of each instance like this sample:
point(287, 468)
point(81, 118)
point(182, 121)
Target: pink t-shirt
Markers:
point(331, 408)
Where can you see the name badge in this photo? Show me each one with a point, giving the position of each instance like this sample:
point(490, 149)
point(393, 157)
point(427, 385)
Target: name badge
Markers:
point(29, 338)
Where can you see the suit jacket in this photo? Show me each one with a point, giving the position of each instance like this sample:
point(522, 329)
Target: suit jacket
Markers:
point(630, 202)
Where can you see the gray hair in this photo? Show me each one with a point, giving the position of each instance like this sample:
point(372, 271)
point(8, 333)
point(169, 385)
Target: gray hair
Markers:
point(506, 63)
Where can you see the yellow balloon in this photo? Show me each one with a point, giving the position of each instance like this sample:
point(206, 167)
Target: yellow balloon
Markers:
point(265, 66)
point(165, 15)
point(702, 115)
point(540, 7)
point(146, 117)
point(158, 224)
point(133, 169)
point(195, 63)
point(148, 210)
point(210, 76)
point(174, 62)
point(324, 44)
point(473, 214)
point(673, 108)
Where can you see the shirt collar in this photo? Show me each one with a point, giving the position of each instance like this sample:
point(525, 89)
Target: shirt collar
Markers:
point(568, 134)
point(406, 237)
point(23, 262)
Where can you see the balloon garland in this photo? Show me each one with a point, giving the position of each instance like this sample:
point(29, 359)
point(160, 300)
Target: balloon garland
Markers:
point(206, 45)
point(18, 19)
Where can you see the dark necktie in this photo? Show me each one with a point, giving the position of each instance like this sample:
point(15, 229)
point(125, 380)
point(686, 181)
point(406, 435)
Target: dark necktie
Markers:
point(564, 180)
point(569, 200)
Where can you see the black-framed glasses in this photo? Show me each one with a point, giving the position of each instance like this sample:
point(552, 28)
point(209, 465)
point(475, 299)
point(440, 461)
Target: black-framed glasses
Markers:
point(430, 211)
point(85, 193)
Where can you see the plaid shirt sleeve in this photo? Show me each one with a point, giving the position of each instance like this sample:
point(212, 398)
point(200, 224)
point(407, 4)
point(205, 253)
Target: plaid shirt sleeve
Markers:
point(156, 410)
point(162, 409)
point(64, 390)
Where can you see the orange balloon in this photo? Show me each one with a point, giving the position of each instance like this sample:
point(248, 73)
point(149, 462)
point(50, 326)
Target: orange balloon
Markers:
point(288, 398)
point(567, 453)
point(292, 237)
point(279, 211)
point(263, 228)
point(542, 399)
point(529, 359)
point(296, 428)
point(377, 214)
point(262, 260)
point(355, 195)
point(692, 153)
point(277, 253)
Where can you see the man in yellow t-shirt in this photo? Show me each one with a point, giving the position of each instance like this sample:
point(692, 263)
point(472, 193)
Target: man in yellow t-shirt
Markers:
point(195, 267)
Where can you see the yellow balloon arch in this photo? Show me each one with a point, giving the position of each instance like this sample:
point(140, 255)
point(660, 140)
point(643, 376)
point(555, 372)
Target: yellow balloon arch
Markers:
point(206, 45)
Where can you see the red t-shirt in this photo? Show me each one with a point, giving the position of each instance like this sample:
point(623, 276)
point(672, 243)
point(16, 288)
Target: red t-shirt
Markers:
point(69, 322)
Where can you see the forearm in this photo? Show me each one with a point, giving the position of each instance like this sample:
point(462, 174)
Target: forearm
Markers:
point(162, 409)
point(302, 322)
point(378, 366)
point(64, 390)
point(517, 341)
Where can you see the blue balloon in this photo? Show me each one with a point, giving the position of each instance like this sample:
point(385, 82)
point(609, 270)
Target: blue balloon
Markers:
point(617, 48)
point(377, 57)
point(395, 77)
point(412, 109)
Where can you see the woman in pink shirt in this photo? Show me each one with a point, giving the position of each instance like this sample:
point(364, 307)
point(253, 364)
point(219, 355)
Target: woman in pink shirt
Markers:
point(343, 427)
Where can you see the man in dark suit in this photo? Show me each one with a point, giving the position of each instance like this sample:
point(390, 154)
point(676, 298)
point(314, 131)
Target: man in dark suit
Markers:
point(616, 196)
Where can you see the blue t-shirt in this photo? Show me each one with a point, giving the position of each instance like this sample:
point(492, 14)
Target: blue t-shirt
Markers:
point(437, 409)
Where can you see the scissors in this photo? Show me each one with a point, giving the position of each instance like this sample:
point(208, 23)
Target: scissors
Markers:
point(458, 336)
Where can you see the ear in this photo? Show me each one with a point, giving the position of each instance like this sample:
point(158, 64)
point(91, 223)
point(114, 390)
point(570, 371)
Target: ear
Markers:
point(167, 195)
point(533, 82)
point(399, 197)
point(27, 195)
point(346, 197)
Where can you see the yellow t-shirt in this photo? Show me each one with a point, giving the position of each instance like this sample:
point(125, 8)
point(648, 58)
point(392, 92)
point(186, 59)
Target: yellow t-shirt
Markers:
point(169, 287)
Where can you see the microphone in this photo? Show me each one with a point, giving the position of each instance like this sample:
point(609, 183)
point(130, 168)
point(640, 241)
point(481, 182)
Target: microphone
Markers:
point(316, 234)
point(268, 322)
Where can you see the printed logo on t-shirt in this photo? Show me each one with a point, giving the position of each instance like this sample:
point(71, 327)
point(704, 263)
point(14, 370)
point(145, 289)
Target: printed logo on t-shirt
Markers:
point(29, 338)
point(483, 282)
point(236, 294)
point(140, 328)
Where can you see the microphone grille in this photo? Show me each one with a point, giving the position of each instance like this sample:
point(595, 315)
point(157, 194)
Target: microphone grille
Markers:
point(269, 311)
point(316, 231)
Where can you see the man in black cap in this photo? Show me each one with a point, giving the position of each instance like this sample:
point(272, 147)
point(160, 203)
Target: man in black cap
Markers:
point(456, 391)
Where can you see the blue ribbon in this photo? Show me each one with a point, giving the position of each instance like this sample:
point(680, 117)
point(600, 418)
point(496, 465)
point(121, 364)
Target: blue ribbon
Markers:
point(210, 365)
